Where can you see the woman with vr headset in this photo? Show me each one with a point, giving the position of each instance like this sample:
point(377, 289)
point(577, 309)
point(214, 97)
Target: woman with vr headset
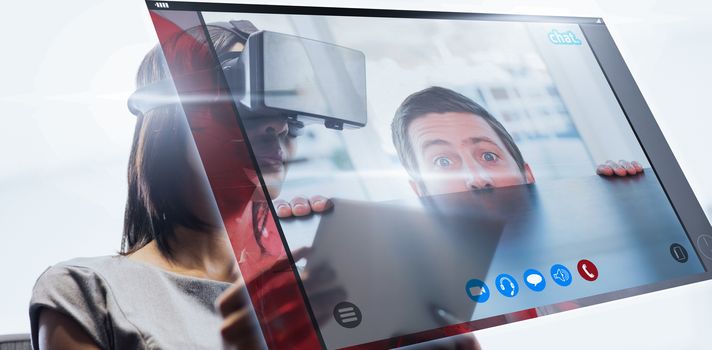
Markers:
point(175, 282)
point(163, 289)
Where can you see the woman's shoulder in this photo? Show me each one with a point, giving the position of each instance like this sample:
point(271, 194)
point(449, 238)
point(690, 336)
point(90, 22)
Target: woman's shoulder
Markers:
point(95, 277)
point(85, 285)
point(92, 263)
point(78, 272)
point(106, 267)
point(74, 288)
point(95, 281)
point(119, 299)
point(71, 282)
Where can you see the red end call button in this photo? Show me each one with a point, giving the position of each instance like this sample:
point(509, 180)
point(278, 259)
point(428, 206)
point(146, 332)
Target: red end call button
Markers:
point(587, 270)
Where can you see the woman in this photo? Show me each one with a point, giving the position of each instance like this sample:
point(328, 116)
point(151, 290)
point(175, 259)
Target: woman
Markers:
point(176, 261)
point(176, 258)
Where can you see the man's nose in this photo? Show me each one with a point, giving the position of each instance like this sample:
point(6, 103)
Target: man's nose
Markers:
point(477, 177)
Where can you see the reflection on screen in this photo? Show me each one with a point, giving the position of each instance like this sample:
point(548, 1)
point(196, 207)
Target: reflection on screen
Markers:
point(480, 190)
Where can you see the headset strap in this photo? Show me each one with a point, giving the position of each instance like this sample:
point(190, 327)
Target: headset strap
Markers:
point(163, 93)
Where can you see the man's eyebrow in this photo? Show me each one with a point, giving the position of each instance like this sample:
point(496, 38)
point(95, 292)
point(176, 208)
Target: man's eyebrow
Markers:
point(434, 142)
point(476, 140)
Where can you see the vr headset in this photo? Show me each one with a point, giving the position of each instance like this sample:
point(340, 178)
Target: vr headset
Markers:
point(304, 80)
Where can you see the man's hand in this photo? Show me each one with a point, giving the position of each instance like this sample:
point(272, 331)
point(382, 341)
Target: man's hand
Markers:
point(620, 168)
point(301, 206)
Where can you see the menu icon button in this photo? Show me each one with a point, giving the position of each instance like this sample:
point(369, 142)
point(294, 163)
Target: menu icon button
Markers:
point(347, 314)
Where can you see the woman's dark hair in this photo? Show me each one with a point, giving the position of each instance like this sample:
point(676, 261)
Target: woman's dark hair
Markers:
point(158, 164)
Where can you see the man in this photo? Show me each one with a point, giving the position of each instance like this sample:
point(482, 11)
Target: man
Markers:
point(448, 143)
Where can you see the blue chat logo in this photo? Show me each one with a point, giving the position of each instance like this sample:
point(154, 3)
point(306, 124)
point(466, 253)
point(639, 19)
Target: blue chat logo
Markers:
point(534, 280)
point(561, 275)
point(563, 38)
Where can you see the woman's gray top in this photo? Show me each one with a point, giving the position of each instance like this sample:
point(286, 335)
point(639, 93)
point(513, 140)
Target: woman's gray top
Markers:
point(125, 304)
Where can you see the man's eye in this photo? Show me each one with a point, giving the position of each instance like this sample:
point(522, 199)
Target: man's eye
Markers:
point(443, 162)
point(489, 157)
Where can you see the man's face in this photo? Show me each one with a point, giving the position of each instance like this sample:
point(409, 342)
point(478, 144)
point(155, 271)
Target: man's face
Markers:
point(458, 152)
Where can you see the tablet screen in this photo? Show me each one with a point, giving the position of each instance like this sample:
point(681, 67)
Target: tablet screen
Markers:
point(445, 172)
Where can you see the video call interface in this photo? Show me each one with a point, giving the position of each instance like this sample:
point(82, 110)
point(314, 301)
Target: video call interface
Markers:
point(457, 171)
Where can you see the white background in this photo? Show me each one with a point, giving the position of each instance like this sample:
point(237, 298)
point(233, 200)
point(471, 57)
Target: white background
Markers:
point(66, 69)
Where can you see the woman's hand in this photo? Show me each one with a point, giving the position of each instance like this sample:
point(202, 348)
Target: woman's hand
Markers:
point(301, 206)
point(240, 329)
point(280, 305)
point(465, 341)
point(620, 168)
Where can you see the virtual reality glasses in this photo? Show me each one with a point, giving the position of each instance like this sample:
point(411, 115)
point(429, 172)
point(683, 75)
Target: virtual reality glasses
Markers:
point(305, 80)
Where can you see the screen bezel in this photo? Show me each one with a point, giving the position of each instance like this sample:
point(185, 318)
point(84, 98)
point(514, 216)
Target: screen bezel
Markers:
point(640, 118)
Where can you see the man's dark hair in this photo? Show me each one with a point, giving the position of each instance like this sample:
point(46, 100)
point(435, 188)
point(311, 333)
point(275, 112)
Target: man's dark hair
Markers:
point(437, 99)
